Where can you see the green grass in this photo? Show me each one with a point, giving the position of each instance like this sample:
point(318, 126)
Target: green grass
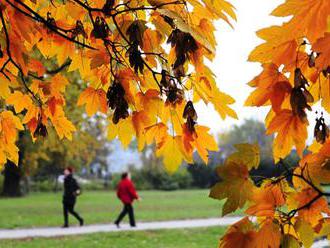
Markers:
point(183, 238)
point(45, 209)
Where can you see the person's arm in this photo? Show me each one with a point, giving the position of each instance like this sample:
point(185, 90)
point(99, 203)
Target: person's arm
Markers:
point(133, 192)
point(118, 192)
point(76, 187)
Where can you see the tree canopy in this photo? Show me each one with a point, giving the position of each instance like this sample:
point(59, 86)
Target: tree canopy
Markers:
point(143, 65)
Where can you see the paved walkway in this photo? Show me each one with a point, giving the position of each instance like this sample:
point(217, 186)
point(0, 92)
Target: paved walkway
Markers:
point(56, 231)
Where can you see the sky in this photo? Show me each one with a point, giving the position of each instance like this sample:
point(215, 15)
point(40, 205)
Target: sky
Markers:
point(231, 67)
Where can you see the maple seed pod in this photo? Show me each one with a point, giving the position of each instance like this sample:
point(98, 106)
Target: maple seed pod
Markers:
point(189, 111)
point(135, 32)
point(41, 130)
point(79, 30)
point(326, 72)
point(50, 21)
point(108, 7)
point(321, 130)
point(184, 44)
point(299, 79)
point(116, 100)
point(191, 124)
point(298, 103)
point(114, 94)
point(174, 95)
point(164, 81)
point(311, 60)
point(135, 58)
point(101, 30)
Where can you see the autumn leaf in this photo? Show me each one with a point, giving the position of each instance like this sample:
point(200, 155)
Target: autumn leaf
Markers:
point(269, 235)
point(291, 131)
point(172, 152)
point(234, 177)
point(279, 48)
point(122, 130)
point(309, 17)
point(240, 234)
point(305, 232)
point(272, 87)
point(248, 154)
point(313, 213)
point(267, 198)
point(321, 46)
point(9, 124)
point(95, 100)
point(62, 125)
point(19, 100)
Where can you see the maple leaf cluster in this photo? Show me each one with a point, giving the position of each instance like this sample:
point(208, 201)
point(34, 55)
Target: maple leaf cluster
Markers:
point(141, 63)
point(295, 61)
point(290, 210)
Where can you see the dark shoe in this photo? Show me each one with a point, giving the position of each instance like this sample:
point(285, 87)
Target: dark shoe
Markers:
point(133, 226)
point(81, 222)
point(117, 224)
point(65, 226)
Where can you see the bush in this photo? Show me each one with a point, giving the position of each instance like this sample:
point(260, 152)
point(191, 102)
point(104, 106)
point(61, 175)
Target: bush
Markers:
point(45, 186)
point(160, 180)
point(203, 176)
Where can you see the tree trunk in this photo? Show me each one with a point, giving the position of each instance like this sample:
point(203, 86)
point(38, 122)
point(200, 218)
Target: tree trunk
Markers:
point(12, 178)
point(13, 173)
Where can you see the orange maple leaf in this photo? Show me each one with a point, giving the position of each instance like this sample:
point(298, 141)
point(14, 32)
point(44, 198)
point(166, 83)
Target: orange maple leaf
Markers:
point(95, 99)
point(272, 87)
point(291, 131)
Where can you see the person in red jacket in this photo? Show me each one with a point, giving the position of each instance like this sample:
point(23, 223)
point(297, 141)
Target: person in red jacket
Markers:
point(127, 194)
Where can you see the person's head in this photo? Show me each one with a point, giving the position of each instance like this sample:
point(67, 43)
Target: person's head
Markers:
point(125, 175)
point(68, 171)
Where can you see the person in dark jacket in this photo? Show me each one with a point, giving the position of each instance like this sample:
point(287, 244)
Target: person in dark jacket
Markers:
point(127, 194)
point(71, 191)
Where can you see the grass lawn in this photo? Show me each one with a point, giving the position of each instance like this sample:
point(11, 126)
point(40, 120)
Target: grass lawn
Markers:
point(183, 238)
point(45, 209)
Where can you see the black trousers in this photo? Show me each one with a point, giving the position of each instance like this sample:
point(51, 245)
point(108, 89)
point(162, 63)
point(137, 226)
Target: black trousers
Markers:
point(127, 209)
point(68, 207)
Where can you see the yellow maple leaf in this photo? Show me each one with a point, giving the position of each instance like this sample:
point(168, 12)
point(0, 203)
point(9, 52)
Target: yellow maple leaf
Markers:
point(235, 177)
point(122, 130)
point(19, 100)
point(171, 149)
point(204, 142)
point(305, 232)
point(280, 46)
point(9, 124)
point(309, 17)
point(63, 127)
point(248, 154)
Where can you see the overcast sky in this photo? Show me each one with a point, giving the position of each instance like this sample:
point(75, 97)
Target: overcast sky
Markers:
point(231, 67)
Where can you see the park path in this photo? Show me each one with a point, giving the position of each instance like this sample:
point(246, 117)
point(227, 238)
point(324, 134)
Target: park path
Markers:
point(57, 231)
point(174, 224)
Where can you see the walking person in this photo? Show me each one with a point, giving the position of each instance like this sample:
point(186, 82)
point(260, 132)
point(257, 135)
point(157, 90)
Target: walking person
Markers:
point(71, 191)
point(127, 194)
